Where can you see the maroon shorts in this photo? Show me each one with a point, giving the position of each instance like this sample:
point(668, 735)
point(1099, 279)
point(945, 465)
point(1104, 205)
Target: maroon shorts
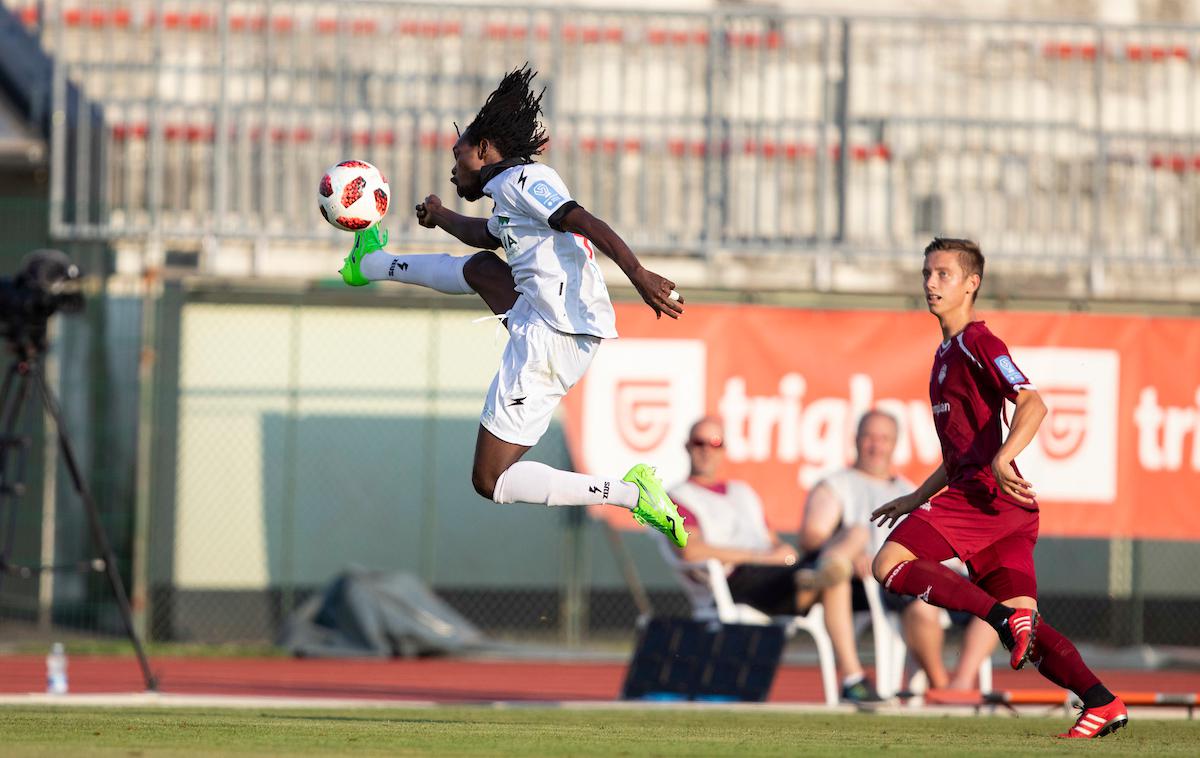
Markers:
point(997, 546)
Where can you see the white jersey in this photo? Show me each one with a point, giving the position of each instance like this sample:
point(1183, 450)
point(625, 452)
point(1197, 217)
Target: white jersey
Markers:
point(860, 494)
point(732, 520)
point(555, 270)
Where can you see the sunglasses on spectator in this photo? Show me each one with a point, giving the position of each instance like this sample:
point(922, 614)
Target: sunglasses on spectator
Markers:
point(713, 442)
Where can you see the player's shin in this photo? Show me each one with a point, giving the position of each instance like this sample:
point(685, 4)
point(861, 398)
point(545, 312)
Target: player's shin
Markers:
point(437, 271)
point(533, 482)
point(1057, 659)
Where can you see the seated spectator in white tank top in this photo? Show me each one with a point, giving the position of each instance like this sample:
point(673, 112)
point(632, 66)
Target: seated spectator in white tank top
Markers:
point(839, 541)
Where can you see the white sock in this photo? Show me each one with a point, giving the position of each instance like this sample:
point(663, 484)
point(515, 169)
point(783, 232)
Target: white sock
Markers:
point(853, 679)
point(438, 271)
point(532, 482)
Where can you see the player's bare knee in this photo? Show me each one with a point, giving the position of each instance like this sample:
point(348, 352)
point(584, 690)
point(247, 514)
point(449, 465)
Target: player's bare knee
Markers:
point(476, 269)
point(883, 564)
point(484, 481)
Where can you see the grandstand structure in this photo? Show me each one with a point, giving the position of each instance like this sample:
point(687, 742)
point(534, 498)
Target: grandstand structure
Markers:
point(779, 149)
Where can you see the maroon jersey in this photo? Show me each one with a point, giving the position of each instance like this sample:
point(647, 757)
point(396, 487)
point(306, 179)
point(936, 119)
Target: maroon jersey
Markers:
point(973, 375)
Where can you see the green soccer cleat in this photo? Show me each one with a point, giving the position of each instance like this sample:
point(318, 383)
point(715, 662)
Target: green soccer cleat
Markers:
point(654, 508)
point(366, 242)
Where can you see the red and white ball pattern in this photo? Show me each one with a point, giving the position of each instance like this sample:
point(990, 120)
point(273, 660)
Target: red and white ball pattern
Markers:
point(353, 195)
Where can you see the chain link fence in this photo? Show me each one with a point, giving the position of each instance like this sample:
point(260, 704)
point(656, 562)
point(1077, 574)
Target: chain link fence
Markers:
point(294, 434)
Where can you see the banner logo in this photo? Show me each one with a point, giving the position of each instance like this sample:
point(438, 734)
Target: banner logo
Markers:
point(1074, 456)
point(643, 409)
point(640, 398)
point(1065, 426)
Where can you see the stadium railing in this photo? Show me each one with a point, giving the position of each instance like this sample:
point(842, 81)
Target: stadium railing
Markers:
point(731, 131)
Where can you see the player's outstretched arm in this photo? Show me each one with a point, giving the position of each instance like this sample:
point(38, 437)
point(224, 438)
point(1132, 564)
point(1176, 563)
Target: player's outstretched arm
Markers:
point(891, 512)
point(1031, 409)
point(469, 230)
point(654, 289)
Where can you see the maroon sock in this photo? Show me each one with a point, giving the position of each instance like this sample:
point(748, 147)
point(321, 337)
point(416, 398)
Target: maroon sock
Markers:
point(938, 585)
point(1058, 660)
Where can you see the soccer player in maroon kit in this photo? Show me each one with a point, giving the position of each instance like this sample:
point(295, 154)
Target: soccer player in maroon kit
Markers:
point(985, 513)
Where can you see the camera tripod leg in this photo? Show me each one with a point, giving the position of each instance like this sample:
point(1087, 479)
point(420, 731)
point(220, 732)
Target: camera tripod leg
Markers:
point(98, 534)
point(11, 487)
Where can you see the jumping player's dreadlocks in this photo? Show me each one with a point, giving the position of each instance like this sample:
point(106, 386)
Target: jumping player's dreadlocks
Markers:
point(509, 117)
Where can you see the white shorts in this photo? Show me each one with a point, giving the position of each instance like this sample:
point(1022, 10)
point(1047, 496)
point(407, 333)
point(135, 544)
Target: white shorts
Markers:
point(539, 365)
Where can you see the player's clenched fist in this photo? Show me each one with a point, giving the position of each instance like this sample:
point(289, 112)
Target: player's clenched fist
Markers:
point(427, 211)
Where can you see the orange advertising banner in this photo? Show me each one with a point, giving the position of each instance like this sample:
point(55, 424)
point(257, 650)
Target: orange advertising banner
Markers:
point(1117, 455)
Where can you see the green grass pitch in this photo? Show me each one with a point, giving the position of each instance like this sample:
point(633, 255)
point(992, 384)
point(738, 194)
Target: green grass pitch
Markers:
point(58, 731)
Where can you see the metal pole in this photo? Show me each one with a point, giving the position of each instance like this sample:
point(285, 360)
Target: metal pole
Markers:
point(1099, 171)
point(821, 196)
point(49, 498)
point(1120, 588)
point(144, 474)
point(842, 113)
point(574, 604)
point(715, 163)
point(1137, 606)
point(58, 135)
point(154, 154)
point(219, 200)
point(429, 492)
point(291, 456)
point(621, 553)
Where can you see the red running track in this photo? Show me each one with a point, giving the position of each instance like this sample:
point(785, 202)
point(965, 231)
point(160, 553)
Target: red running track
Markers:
point(442, 680)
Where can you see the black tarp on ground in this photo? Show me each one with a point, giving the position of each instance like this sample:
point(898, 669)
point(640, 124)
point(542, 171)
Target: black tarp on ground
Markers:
point(377, 614)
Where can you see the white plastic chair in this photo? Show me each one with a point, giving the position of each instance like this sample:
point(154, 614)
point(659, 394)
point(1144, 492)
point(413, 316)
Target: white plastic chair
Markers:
point(708, 592)
point(891, 652)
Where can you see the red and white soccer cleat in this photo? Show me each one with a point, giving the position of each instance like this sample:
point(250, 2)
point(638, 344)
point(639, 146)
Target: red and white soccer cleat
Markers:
point(1099, 721)
point(1023, 626)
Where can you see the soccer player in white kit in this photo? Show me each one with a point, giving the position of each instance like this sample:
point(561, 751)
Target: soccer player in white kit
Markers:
point(550, 292)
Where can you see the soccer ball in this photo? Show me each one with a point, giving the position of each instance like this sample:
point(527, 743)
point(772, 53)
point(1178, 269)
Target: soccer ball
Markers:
point(353, 195)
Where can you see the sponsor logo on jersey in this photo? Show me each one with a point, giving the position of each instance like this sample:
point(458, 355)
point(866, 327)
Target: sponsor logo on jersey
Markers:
point(545, 194)
point(1009, 371)
point(941, 408)
point(640, 398)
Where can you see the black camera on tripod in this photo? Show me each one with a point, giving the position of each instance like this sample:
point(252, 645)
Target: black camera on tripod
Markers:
point(46, 283)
